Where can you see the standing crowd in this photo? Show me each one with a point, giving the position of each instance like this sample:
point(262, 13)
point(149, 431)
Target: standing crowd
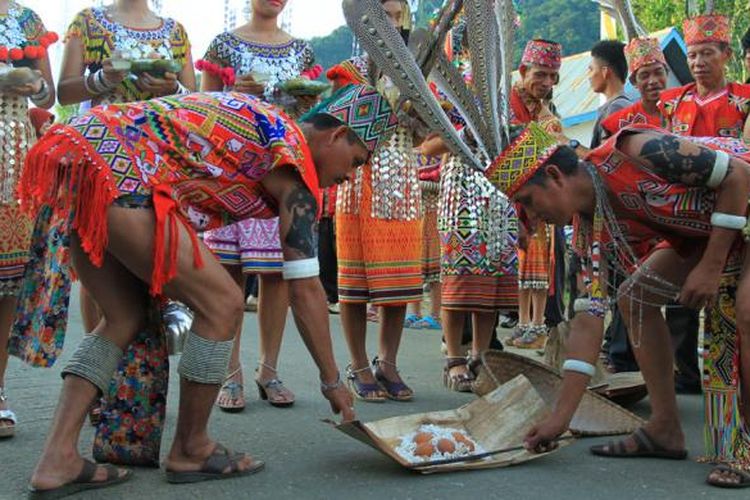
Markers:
point(161, 196)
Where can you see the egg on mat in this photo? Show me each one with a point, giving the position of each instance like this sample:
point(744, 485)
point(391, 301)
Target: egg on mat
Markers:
point(446, 446)
point(462, 439)
point(423, 437)
point(424, 450)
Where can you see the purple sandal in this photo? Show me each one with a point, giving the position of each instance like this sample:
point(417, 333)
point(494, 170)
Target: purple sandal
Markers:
point(372, 393)
point(397, 391)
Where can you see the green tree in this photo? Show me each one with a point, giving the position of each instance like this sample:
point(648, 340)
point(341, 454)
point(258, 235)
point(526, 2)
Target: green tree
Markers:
point(333, 48)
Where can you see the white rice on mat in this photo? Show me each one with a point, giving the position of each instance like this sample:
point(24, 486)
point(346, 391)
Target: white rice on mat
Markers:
point(407, 447)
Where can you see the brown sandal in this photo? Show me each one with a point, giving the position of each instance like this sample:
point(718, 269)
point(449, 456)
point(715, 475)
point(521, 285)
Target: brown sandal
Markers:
point(83, 482)
point(646, 447)
point(743, 476)
point(214, 467)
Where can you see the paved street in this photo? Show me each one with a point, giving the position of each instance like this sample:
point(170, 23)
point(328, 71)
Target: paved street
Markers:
point(307, 459)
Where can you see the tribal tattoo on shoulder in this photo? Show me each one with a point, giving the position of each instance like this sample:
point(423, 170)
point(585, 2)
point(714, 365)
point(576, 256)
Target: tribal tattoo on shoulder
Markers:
point(302, 236)
point(688, 164)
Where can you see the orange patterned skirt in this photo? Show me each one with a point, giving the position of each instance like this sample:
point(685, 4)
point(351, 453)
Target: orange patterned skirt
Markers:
point(380, 260)
point(534, 262)
point(15, 240)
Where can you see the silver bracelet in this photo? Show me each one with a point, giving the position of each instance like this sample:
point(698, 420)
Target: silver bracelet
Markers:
point(329, 387)
point(728, 221)
point(578, 366)
point(42, 96)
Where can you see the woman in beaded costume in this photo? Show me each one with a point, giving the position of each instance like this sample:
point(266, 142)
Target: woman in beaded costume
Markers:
point(255, 50)
point(477, 228)
point(19, 28)
point(379, 240)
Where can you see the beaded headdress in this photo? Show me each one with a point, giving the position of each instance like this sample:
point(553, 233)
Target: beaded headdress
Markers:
point(362, 109)
point(542, 53)
point(522, 159)
point(707, 28)
point(641, 52)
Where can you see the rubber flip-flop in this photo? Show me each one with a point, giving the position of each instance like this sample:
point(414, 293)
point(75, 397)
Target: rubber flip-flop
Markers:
point(646, 448)
point(82, 483)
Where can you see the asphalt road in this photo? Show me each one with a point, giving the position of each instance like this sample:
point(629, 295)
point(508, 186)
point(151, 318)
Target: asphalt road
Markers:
point(308, 459)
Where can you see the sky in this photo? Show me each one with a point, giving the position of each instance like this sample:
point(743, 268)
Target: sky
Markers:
point(203, 19)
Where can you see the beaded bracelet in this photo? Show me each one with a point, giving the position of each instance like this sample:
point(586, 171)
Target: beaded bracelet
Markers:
point(42, 96)
point(324, 387)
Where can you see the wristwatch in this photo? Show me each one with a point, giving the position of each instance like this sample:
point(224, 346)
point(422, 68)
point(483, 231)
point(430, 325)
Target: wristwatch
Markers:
point(574, 144)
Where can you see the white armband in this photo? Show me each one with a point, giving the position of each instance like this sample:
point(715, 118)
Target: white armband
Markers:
point(719, 172)
point(581, 304)
point(728, 221)
point(575, 365)
point(299, 269)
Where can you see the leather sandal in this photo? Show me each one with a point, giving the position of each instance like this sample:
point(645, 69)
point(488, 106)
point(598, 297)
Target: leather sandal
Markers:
point(84, 481)
point(646, 447)
point(215, 467)
point(396, 390)
point(372, 393)
point(718, 477)
point(7, 418)
point(273, 390)
point(233, 392)
point(459, 382)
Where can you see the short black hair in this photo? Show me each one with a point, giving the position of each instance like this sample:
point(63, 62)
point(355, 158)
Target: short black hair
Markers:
point(324, 121)
point(566, 160)
point(612, 52)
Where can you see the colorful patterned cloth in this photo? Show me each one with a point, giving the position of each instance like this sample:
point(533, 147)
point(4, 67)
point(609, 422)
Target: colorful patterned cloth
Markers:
point(379, 261)
point(629, 116)
point(706, 29)
point(429, 177)
point(100, 37)
point(478, 231)
point(19, 26)
point(521, 159)
point(534, 262)
point(254, 244)
point(722, 114)
point(542, 53)
point(641, 52)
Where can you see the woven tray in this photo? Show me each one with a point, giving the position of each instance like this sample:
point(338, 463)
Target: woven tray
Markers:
point(596, 416)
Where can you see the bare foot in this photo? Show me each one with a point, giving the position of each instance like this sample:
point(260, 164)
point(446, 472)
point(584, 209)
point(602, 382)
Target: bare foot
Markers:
point(53, 471)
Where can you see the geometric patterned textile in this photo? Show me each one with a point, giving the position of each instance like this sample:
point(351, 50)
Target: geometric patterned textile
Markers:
point(641, 52)
point(522, 159)
point(362, 109)
point(100, 37)
point(542, 53)
point(708, 28)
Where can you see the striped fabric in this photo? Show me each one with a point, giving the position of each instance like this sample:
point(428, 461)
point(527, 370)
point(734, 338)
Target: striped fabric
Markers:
point(252, 243)
point(15, 240)
point(380, 261)
point(430, 235)
point(473, 292)
point(534, 263)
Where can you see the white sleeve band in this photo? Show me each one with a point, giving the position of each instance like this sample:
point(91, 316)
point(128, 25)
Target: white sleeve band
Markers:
point(719, 172)
point(581, 304)
point(299, 269)
point(574, 365)
point(728, 221)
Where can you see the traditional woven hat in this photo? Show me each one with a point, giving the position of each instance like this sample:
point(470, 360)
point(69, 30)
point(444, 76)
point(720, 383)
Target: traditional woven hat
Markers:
point(596, 416)
point(707, 28)
point(542, 53)
point(363, 109)
point(519, 161)
point(643, 51)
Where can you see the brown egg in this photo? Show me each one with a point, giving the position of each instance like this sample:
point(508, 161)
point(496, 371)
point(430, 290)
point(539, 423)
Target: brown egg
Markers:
point(424, 450)
point(423, 437)
point(446, 446)
point(460, 438)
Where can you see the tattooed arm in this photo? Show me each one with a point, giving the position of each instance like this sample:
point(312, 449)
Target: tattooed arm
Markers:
point(298, 229)
point(683, 162)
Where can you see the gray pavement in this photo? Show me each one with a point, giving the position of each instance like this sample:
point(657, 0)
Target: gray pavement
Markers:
point(308, 459)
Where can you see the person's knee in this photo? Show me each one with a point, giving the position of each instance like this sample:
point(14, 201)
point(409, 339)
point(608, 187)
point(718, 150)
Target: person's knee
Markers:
point(222, 308)
point(123, 326)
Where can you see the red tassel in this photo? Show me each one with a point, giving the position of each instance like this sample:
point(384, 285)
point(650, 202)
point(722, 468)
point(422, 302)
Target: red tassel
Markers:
point(16, 54)
point(3, 53)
